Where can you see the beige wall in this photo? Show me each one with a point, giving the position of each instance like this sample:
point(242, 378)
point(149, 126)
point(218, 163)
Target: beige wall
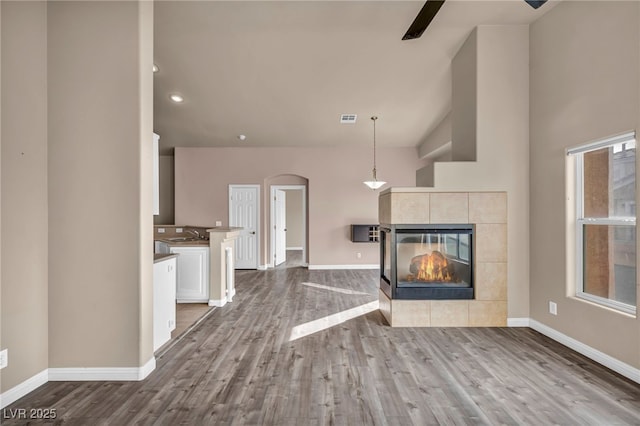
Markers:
point(24, 191)
point(167, 190)
point(295, 219)
point(584, 86)
point(436, 147)
point(502, 135)
point(1, 204)
point(464, 102)
point(100, 221)
point(337, 197)
point(77, 107)
point(437, 144)
point(144, 147)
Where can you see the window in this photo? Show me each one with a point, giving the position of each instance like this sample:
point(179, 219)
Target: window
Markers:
point(457, 245)
point(606, 222)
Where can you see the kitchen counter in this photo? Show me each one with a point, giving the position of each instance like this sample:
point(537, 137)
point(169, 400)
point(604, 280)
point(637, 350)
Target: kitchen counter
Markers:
point(192, 241)
point(160, 257)
point(181, 235)
point(184, 241)
point(225, 229)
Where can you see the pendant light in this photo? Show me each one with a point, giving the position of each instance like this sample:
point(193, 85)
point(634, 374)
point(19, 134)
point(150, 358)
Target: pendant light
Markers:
point(374, 183)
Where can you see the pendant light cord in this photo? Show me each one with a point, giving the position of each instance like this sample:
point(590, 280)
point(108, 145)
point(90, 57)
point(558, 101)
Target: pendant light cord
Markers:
point(374, 118)
point(375, 183)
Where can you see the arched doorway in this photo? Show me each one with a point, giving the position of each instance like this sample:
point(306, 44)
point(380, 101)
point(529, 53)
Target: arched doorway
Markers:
point(288, 221)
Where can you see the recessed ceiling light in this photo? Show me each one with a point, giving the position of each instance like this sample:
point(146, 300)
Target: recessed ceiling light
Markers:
point(155, 68)
point(176, 98)
point(242, 137)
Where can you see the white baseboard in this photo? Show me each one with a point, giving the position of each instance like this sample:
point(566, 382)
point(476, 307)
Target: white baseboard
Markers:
point(20, 390)
point(517, 322)
point(294, 248)
point(147, 369)
point(263, 267)
point(362, 266)
point(102, 374)
point(218, 303)
point(616, 365)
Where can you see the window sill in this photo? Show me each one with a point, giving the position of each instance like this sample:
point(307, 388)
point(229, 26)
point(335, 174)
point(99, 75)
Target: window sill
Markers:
point(625, 310)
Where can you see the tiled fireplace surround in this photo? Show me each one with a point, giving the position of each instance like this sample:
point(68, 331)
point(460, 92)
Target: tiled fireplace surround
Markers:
point(488, 212)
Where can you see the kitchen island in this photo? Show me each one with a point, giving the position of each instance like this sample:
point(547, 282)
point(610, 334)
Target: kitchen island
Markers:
point(205, 271)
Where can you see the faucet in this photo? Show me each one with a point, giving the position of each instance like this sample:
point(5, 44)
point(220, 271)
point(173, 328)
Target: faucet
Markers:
point(195, 231)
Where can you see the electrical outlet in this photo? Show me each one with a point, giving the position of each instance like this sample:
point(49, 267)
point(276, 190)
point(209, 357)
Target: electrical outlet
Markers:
point(218, 223)
point(553, 308)
point(179, 230)
point(359, 255)
point(160, 230)
point(4, 358)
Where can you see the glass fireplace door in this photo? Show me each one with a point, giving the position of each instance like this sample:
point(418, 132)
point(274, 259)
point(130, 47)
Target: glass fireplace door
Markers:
point(427, 262)
point(433, 257)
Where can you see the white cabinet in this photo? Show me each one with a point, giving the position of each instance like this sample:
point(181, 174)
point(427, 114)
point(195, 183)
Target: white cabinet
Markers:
point(156, 175)
point(193, 274)
point(164, 301)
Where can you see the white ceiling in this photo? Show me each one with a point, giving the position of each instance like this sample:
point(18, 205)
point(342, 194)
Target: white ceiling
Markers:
point(282, 72)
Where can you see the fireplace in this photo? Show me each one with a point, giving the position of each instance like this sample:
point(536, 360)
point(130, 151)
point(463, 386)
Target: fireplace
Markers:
point(427, 262)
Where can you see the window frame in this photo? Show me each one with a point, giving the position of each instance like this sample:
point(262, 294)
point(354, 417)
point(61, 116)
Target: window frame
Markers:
point(581, 221)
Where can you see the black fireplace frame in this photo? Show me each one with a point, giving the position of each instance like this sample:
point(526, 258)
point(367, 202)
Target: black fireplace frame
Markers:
point(389, 285)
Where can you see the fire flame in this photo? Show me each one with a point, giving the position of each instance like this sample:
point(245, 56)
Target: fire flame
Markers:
point(431, 268)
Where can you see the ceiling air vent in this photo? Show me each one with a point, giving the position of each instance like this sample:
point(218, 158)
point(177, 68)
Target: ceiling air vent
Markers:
point(348, 118)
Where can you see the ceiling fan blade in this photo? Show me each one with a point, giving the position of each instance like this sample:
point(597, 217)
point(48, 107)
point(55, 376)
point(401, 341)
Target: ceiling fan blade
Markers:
point(424, 18)
point(535, 3)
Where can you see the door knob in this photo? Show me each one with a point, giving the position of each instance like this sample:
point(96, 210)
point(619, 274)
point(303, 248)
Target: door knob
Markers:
point(253, 232)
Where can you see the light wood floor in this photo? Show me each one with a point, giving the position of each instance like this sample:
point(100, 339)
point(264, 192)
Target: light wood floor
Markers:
point(293, 259)
point(188, 314)
point(239, 367)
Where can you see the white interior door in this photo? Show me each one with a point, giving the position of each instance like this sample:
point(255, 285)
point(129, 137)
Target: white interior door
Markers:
point(243, 211)
point(280, 228)
point(282, 236)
